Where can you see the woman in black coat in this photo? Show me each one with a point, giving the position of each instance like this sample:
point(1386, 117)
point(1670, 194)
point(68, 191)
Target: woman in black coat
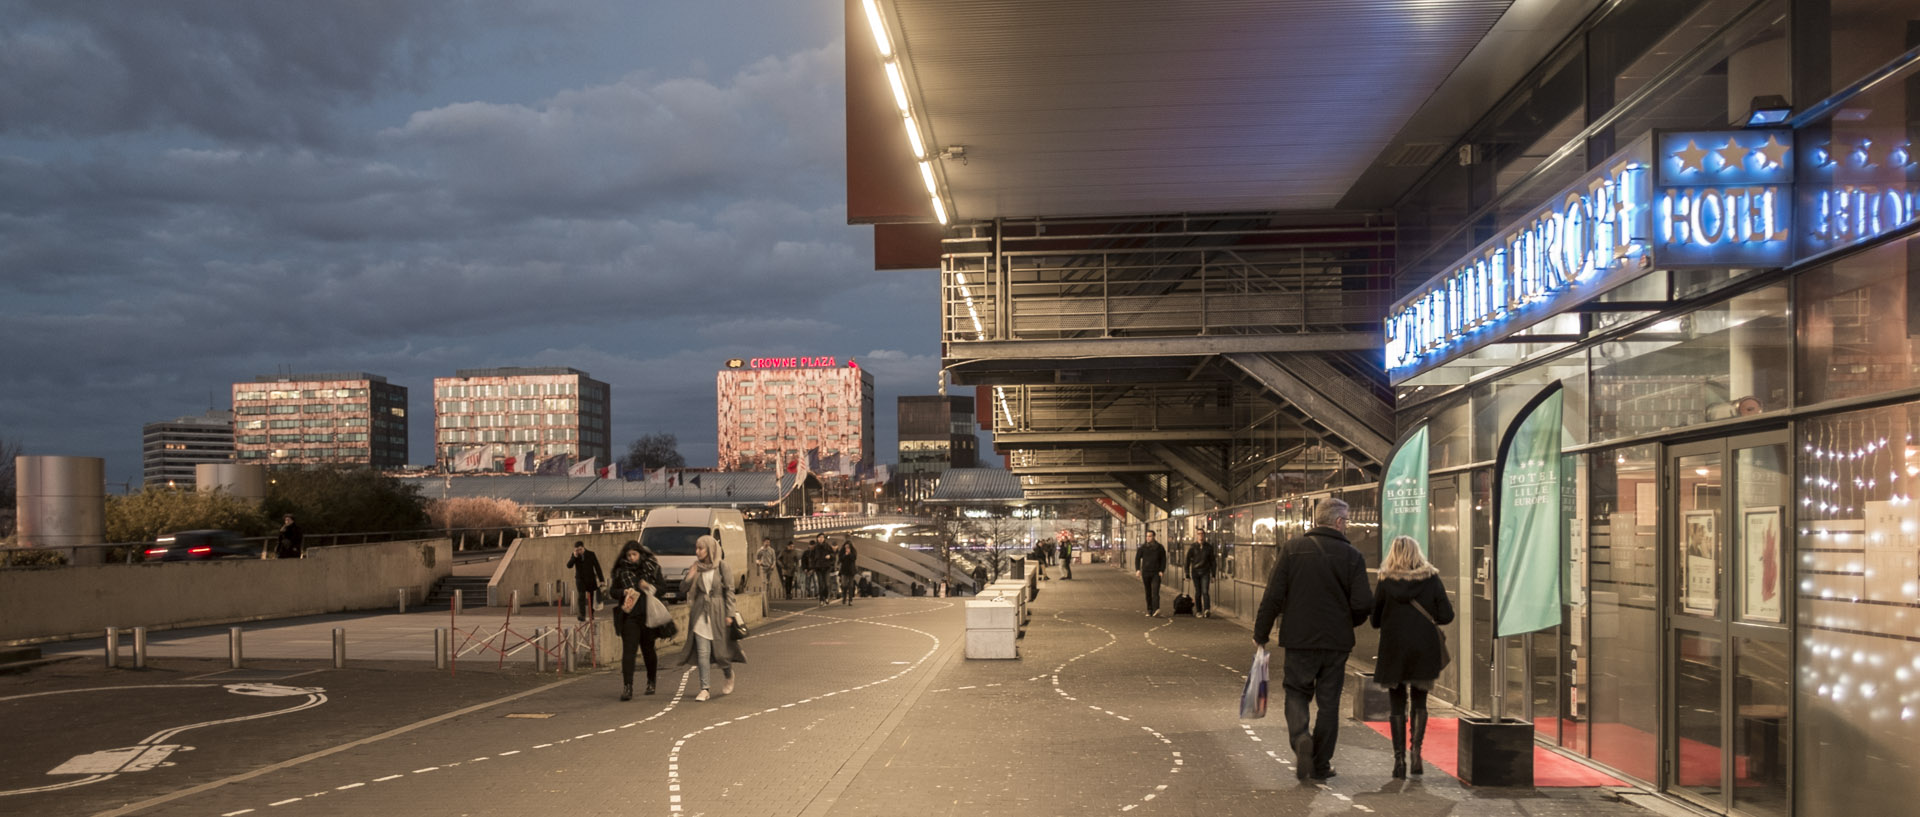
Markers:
point(636, 572)
point(1412, 651)
point(848, 560)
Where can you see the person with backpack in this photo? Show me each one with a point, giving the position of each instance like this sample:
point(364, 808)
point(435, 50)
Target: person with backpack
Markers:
point(1318, 593)
point(823, 569)
point(636, 574)
point(1409, 607)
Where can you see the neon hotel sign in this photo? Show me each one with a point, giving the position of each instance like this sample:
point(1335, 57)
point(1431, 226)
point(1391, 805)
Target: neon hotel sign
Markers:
point(787, 363)
point(1673, 200)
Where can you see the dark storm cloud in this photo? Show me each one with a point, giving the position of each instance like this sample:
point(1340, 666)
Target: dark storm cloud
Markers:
point(232, 71)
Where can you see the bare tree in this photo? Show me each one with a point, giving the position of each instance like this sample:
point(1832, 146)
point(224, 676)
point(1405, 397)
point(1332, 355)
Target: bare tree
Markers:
point(653, 452)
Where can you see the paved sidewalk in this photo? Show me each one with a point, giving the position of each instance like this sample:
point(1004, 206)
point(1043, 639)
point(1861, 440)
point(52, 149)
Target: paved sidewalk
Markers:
point(862, 710)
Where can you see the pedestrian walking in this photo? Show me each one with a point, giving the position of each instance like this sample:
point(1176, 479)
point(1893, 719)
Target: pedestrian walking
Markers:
point(708, 589)
point(979, 578)
point(587, 577)
point(1409, 606)
point(765, 559)
point(848, 561)
point(1201, 563)
point(1148, 563)
point(1038, 558)
point(1066, 558)
point(636, 574)
point(291, 543)
point(789, 567)
point(824, 568)
point(1318, 592)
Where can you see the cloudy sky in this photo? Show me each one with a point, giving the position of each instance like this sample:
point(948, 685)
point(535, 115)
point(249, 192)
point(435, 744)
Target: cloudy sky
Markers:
point(195, 193)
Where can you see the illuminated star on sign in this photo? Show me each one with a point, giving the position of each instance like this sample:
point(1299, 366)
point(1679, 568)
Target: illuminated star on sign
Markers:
point(1733, 155)
point(1693, 156)
point(1774, 152)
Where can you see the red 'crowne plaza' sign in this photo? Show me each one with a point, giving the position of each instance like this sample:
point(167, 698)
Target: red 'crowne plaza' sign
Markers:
point(788, 363)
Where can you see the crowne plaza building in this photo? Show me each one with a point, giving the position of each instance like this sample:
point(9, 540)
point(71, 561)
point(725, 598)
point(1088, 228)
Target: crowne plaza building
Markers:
point(773, 410)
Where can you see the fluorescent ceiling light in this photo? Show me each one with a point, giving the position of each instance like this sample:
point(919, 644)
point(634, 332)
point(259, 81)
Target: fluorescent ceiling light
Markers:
point(899, 87)
point(879, 29)
point(913, 136)
point(939, 210)
point(926, 174)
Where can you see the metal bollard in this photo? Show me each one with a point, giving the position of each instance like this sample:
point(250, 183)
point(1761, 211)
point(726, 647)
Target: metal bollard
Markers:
point(569, 659)
point(113, 647)
point(339, 647)
point(539, 649)
point(139, 648)
point(440, 647)
point(459, 601)
point(233, 646)
point(401, 592)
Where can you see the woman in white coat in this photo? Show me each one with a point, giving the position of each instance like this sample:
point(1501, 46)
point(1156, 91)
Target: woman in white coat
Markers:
point(708, 589)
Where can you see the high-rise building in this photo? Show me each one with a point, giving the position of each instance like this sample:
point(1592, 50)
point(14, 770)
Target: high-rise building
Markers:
point(777, 409)
point(169, 449)
point(548, 410)
point(300, 420)
point(937, 433)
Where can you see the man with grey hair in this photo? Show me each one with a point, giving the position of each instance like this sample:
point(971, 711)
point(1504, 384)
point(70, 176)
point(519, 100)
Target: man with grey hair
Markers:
point(1318, 591)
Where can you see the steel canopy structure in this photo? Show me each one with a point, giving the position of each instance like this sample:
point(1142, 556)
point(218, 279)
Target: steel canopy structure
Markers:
point(1161, 228)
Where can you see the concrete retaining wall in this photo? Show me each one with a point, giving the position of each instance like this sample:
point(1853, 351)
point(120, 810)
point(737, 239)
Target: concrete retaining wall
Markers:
point(532, 565)
point(81, 601)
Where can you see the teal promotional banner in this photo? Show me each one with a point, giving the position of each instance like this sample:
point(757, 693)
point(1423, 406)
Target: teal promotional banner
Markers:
point(1528, 514)
point(1403, 501)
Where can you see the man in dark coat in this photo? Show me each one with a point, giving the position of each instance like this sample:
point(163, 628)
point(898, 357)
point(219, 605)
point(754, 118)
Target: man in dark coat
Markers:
point(1148, 563)
point(1318, 592)
point(789, 566)
point(586, 577)
point(1066, 557)
point(292, 542)
point(1200, 566)
point(824, 567)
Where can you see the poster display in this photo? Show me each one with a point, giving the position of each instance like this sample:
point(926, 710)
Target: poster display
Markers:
point(1699, 562)
point(1760, 543)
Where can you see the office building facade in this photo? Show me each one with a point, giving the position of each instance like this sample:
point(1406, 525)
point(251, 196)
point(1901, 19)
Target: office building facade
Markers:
point(328, 419)
point(773, 410)
point(511, 411)
point(171, 448)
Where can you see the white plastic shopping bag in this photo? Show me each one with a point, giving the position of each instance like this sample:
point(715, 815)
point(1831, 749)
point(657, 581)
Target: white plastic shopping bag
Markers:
point(1253, 699)
point(657, 614)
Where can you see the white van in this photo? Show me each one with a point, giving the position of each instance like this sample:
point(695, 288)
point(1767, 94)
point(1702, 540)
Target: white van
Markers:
point(670, 534)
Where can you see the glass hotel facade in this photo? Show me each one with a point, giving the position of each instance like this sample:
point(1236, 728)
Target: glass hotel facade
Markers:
point(1734, 315)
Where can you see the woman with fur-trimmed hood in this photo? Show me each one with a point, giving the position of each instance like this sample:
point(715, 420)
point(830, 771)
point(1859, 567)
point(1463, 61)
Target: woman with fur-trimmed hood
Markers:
point(1409, 605)
point(708, 589)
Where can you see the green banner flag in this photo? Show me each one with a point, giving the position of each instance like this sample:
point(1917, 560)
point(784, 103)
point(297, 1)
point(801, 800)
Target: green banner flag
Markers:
point(1528, 515)
point(1403, 497)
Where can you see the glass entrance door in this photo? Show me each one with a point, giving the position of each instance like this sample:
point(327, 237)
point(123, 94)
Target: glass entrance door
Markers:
point(1727, 656)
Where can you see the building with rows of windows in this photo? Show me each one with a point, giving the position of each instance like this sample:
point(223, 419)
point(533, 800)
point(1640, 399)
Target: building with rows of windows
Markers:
point(169, 449)
point(773, 410)
point(298, 420)
point(514, 411)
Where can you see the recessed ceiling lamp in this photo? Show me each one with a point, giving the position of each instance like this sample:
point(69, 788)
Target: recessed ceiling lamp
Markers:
point(898, 83)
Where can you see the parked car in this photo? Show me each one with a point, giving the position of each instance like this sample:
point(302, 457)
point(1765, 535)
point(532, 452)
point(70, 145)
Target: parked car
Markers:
point(197, 545)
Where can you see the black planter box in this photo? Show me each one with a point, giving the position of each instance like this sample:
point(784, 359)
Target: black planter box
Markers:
point(1370, 702)
point(1496, 754)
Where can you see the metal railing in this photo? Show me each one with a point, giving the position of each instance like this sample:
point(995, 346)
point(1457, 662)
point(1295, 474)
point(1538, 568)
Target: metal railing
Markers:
point(1117, 407)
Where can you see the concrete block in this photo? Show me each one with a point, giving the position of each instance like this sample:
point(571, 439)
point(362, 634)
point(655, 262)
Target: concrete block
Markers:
point(991, 614)
point(992, 644)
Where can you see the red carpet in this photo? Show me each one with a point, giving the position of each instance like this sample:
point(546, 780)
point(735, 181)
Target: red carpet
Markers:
point(1551, 770)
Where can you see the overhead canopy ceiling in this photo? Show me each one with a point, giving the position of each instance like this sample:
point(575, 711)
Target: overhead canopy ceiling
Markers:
point(1116, 107)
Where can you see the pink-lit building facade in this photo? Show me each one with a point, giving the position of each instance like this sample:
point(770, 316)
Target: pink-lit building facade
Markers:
point(333, 419)
point(773, 410)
